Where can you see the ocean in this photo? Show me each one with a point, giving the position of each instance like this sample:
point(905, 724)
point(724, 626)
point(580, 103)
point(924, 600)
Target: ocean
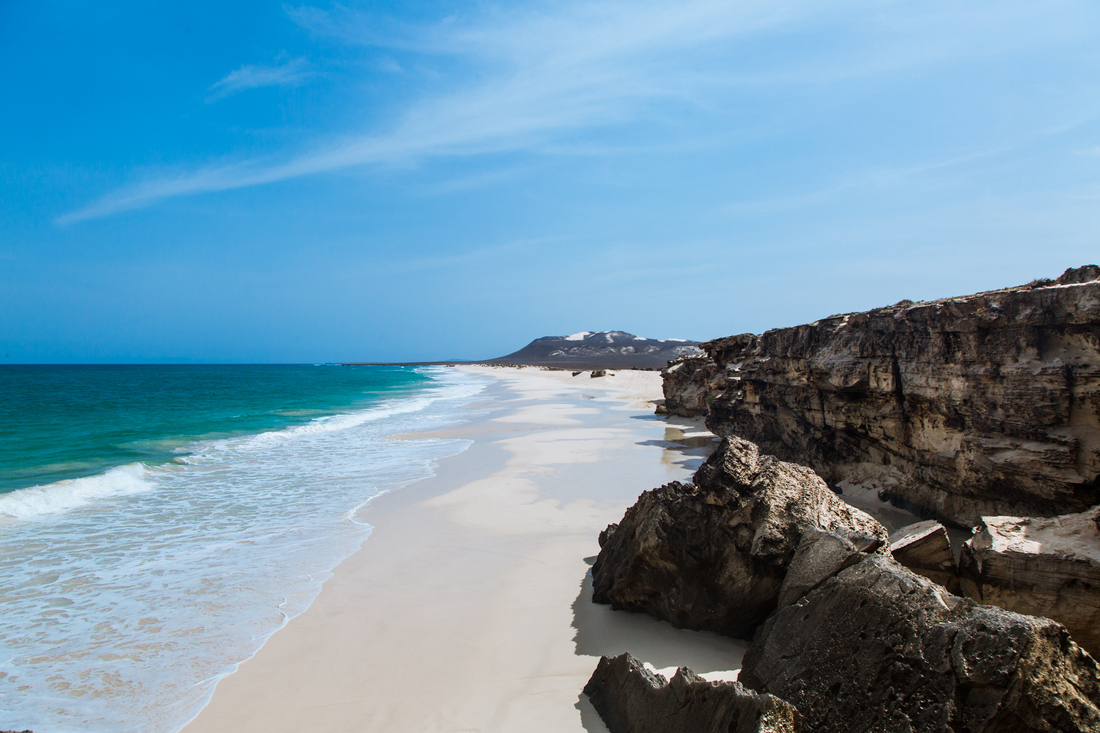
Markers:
point(159, 523)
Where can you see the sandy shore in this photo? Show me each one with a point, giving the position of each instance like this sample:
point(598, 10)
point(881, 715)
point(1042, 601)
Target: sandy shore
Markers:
point(468, 608)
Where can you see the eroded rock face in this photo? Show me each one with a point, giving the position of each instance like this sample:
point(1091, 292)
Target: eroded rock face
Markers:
point(820, 556)
point(987, 404)
point(1039, 566)
point(631, 699)
point(925, 549)
point(877, 647)
point(713, 554)
point(690, 383)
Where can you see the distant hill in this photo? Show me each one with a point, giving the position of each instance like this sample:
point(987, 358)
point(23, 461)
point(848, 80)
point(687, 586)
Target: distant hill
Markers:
point(600, 350)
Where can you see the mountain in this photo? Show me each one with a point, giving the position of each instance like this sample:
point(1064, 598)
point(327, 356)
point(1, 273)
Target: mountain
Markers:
point(600, 350)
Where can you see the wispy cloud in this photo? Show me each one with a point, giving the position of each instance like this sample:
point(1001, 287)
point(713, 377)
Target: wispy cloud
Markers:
point(544, 77)
point(1093, 152)
point(882, 178)
point(288, 73)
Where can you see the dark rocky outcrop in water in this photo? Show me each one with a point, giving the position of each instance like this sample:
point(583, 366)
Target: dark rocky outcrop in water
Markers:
point(1040, 566)
point(987, 404)
point(877, 647)
point(599, 350)
point(714, 554)
point(631, 699)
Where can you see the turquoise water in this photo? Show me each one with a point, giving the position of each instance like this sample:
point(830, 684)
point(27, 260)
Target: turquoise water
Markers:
point(159, 523)
point(63, 422)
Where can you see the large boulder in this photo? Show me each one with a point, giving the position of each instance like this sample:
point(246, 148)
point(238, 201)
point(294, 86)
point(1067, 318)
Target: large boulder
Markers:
point(986, 404)
point(631, 699)
point(925, 549)
point(714, 554)
point(877, 647)
point(1043, 567)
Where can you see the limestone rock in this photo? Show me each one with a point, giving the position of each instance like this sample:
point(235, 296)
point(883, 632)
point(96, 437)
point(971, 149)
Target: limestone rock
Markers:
point(987, 404)
point(1043, 567)
point(879, 648)
point(631, 699)
point(690, 383)
point(714, 554)
point(925, 549)
point(820, 556)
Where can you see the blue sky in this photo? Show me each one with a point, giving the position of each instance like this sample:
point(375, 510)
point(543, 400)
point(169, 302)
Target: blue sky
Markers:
point(260, 181)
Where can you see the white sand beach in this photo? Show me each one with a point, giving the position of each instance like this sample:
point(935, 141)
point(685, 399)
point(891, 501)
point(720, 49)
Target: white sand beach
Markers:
point(468, 608)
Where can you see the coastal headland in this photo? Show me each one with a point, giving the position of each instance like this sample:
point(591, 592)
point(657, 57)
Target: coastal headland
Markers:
point(981, 411)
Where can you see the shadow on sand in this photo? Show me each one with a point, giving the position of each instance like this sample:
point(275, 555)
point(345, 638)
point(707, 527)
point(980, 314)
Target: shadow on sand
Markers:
point(601, 631)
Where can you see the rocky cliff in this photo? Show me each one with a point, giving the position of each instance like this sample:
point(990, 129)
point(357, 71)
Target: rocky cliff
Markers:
point(987, 404)
point(691, 382)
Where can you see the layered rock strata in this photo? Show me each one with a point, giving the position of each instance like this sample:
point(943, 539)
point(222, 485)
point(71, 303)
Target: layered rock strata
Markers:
point(987, 404)
point(690, 383)
point(925, 549)
point(714, 554)
point(1039, 566)
point(631, 699)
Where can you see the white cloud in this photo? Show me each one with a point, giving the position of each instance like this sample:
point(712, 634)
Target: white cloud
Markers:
point(545, 76)
point(291, 72)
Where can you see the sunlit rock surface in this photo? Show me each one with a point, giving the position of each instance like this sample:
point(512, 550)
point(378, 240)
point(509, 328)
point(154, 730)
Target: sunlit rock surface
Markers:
point(1039, 566)
point(986, 404)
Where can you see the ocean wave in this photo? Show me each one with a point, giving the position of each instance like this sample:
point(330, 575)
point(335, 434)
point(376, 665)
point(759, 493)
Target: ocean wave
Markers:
point(60, 496)
point(138, 611)
point(134, 478)
point(447, 388)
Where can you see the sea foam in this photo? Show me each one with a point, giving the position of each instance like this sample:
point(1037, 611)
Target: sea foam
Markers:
point(71, 493)
point(127, 595)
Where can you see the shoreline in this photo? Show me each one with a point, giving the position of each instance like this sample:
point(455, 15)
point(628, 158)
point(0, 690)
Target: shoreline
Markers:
point(468, 606)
